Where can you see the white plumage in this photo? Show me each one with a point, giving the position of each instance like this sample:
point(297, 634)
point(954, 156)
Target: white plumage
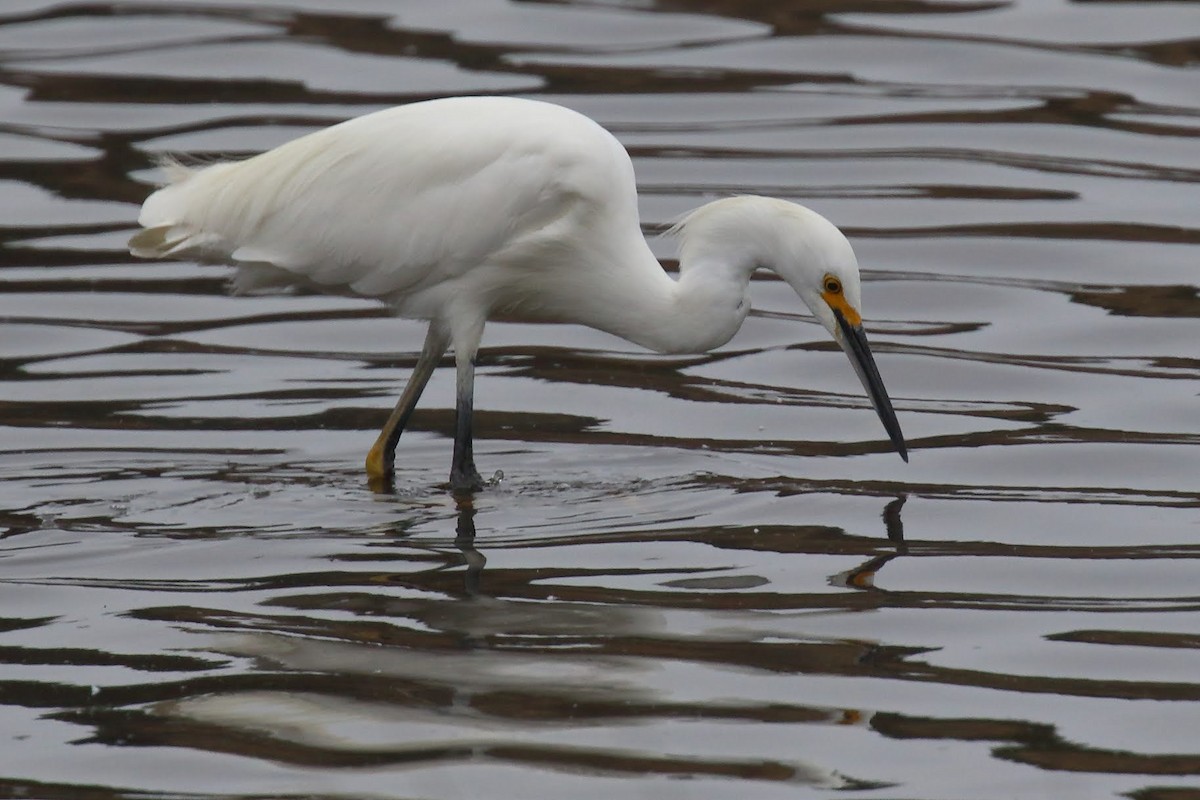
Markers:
point(474, 208)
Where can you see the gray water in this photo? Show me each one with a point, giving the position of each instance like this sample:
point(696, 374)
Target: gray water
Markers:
point(701, 577)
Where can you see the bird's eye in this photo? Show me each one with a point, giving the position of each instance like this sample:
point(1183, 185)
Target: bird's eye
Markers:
point(833, 285)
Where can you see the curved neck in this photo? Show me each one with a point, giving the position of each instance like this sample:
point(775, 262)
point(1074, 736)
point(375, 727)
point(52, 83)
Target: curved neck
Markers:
point(637, 300)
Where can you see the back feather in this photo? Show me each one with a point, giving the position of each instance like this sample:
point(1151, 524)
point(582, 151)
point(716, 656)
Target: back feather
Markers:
point(394, 204)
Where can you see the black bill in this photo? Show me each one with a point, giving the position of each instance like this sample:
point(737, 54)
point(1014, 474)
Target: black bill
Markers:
point(854, 342)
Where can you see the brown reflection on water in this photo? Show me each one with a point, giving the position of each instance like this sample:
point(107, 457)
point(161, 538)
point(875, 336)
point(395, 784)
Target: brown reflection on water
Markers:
point(1145, 301)
point(1038, 745)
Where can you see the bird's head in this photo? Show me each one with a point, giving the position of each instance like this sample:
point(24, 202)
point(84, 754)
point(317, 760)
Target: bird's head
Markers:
point(817, 261)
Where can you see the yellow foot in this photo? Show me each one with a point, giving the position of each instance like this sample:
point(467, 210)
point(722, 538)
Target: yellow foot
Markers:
point(384, 485)
point(379, 469)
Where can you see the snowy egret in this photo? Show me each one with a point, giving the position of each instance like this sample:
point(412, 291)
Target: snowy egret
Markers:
point(466, 209)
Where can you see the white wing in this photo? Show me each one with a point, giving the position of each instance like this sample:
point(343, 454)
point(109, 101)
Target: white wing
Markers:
point(391, 203)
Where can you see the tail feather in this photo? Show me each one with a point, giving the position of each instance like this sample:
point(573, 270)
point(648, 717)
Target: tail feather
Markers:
point(150, 242)
point(176, 241)
point(166, 231)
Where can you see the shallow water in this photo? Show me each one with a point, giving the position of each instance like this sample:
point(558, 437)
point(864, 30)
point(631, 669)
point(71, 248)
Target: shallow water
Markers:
point(703, 568)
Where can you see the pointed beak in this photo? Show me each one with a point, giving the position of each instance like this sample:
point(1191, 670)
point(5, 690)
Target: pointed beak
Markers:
point(854, 341)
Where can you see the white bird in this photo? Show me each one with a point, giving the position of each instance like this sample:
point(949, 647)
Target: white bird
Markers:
point(466, 209)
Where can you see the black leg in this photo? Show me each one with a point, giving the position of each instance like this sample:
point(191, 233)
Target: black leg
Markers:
point(463, 475)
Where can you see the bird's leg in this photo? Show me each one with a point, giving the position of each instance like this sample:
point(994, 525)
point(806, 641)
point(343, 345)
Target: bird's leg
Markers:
point(463, 475)
point(382, 458)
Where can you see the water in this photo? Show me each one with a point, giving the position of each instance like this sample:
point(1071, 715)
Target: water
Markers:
point(701, 577)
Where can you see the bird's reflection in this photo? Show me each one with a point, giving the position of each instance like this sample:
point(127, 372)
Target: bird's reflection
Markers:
point(894, 525)
point(464, 540)
point(863, 576)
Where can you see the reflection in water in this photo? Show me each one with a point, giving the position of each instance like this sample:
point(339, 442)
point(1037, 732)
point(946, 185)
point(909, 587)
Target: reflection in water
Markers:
point(478, 679)
point(863, 576)
point(464, 540)
point(201, 600)
point(892, 522)
point(358, 675)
